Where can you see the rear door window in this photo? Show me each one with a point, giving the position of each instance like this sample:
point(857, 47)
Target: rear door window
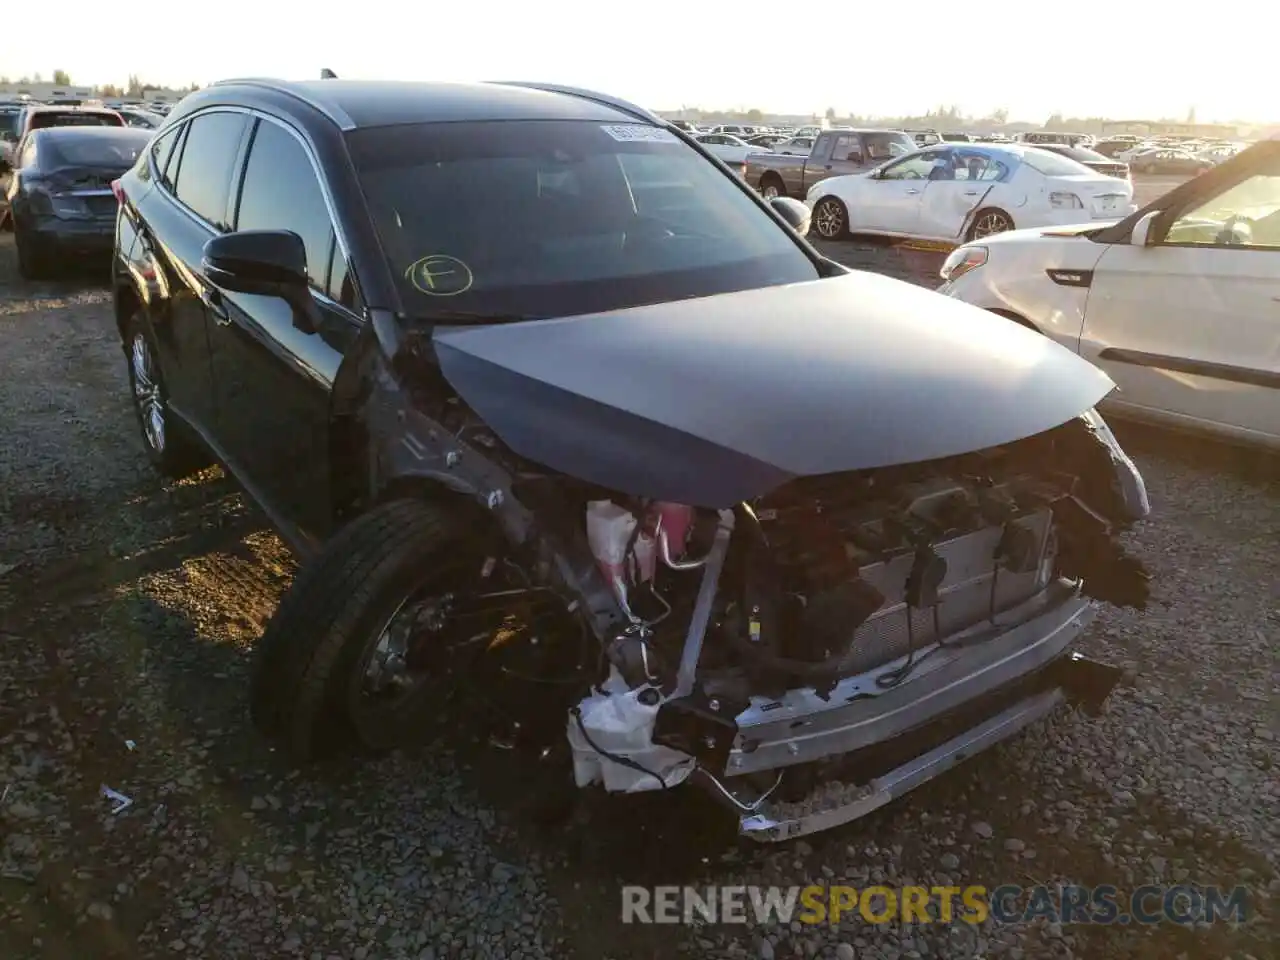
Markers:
point(887, 145)
point(918, 166)
point(281, 192)
point(162, 151)
point(971, 165)
point(848, 147)
point(203, 181)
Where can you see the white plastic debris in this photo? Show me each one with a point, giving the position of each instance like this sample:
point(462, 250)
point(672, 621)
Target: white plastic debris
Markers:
point(119, 799)
point(618, 724)
point(131, 745)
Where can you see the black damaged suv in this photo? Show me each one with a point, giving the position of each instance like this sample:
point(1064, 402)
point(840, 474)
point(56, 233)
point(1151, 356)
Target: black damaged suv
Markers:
point(536, 386)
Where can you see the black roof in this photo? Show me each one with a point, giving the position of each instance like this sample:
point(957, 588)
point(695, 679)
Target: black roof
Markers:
point(375, 103)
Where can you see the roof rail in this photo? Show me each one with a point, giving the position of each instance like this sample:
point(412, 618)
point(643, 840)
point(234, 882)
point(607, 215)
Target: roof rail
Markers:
point(273, 81)
point(622, 106)
point(330, 110)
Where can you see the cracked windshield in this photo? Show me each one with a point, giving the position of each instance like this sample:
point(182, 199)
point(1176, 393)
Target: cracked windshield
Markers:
point(715, 506)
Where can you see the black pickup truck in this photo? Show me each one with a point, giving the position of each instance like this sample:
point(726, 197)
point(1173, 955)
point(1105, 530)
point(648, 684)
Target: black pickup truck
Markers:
point(835, 152)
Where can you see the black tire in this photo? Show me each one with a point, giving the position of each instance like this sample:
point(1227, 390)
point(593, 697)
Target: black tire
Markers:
point(771, 181)
point(988, 222)
point(830, 219)
point(314, 651)
point(33, 260)
point(177, 454)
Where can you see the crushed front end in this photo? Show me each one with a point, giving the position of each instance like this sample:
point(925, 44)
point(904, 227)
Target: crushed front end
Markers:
point(814, 653)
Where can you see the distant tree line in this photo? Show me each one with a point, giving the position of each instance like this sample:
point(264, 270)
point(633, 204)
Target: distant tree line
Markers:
point(136, 87)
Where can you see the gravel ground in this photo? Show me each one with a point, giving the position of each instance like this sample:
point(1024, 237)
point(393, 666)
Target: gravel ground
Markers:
point(128, 606)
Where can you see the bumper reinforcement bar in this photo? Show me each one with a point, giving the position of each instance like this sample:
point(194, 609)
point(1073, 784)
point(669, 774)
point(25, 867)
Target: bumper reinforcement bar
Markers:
point(771, 827)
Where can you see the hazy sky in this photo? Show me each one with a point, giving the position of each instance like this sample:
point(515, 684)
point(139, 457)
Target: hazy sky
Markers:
point(1116, 58)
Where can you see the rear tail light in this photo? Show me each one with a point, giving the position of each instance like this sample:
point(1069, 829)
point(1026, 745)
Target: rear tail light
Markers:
point(742, 170)
point(118, 190)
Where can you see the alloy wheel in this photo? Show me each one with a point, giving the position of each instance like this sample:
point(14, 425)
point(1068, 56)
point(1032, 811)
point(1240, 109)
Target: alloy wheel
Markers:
point(427, 638)
point(990, 223)
point(828, 219)
point(146, 392)
point(769, 190)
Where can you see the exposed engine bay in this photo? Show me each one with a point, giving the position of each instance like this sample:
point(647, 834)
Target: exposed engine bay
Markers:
point(781, 606)
point(828, 578)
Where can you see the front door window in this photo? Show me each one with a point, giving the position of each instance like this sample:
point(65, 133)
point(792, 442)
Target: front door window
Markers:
point(917, 167)
point(1244, 215)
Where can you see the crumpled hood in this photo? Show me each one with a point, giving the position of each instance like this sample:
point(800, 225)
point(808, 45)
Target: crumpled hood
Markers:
point(716, 400)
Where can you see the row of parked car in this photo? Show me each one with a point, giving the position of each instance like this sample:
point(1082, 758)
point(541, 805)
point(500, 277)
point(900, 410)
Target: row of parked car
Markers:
point(880, 182)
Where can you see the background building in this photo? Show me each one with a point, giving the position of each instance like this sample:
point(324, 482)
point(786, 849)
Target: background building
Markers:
point(66, 91)
point(46, 91)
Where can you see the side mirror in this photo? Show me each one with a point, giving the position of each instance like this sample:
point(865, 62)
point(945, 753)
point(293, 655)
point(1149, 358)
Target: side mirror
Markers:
point(1140, 235)
point(794, 212)
point(270, 263)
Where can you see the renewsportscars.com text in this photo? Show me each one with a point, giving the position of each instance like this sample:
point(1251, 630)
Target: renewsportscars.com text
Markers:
point(1005, 904)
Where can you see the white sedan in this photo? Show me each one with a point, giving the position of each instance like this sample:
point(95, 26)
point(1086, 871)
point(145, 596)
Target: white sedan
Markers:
point(1178, 303)
point(727, 147)
point(953, 192)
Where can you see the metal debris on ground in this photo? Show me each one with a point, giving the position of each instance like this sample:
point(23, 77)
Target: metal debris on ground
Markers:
point(119, 799)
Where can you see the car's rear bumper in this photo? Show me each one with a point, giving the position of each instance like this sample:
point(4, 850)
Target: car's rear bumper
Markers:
point(74, 236)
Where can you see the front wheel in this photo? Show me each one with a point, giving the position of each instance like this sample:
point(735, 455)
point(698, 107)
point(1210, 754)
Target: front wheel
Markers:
point(373, 631)
point(988, 223)
point(831, 219)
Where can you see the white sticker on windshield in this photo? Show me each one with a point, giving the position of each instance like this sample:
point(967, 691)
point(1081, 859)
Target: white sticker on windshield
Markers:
point(638, 133)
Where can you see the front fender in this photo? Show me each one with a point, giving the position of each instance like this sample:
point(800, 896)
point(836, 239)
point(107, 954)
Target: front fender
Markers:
point(381, 440)
point(1018, 279)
